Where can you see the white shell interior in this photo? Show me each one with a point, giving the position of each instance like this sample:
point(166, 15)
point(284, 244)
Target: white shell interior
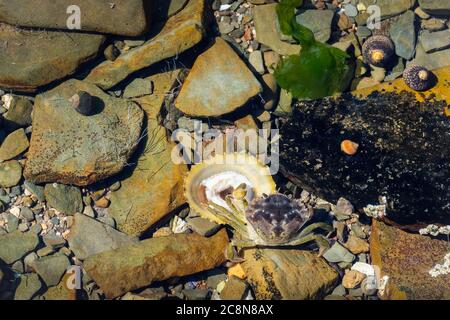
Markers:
point(222, 181)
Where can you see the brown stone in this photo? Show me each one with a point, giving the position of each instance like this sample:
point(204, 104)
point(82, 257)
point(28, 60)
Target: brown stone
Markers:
point(154, 187)
point(180, 32)
point(219, 83)
point(133, 267)
point(288, 274)
point(406, 259)
point(356, 245)
point(352, 279)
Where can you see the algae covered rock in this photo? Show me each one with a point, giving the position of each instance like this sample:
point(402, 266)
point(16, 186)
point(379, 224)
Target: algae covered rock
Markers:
point(402, 155)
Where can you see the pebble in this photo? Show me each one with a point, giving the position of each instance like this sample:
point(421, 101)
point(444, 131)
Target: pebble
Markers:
point(234, 289)
point(433, 24)
point(138, 88)
point(256, 60)
point(343, 209)
point(10, 173)
point(422, 14)
point(29, 261)
point(13, 222)
point(337, 253)
point(29, 285)
point(350, 10)
point(52, 268)
point(27, 214)
point(352, 279)
point(369, 286)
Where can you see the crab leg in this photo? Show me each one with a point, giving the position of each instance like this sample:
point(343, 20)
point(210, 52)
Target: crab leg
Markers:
point(314, 226)
point(230, 218)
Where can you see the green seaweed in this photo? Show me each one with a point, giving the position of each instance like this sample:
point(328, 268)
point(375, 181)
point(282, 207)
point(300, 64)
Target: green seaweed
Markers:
point(319, 70)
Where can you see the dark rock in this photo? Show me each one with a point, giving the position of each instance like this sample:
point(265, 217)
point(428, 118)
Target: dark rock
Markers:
point(402, 154)
point(66, 199)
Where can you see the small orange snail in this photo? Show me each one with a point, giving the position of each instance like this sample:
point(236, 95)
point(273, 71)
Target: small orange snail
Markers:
point(349, 147)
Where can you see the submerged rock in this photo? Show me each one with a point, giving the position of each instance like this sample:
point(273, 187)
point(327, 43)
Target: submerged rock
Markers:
point(222, 73)
point(132, 267)
point(402, 155)
point(70, 148)
point(288, 274)
point(16, 245)
point(154, 187)
point(407, 260)
point(30, 59)
point(29, 285)
point(89, 236)
point(125, 17)
point(180, 32)
point(267, 32)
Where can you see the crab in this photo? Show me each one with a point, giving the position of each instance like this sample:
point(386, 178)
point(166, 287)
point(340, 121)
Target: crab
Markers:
point(270, 221)
point(239, 192)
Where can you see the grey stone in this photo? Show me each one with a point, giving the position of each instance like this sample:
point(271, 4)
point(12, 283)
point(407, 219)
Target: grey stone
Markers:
point(215, 277)
point(390, 8)
point(65, 199)
point(128, 18)
point(54, 240)
point(196, 294)
point(52, 268)
point(138, 88)
point(28, 261)
point(28, 286)
point(12, 221)
point(337, 253)
point(203, 226)
point(36, 190)
point(89, 237)
point(27, 214)
point(430, 61)
point(435, 41)
point(14, 144)
point(339, 291)
point(15, 245)
point(38, 57)
point(403, 34)
point(436, 7)
point(19, 113)
point(318, 21)
point(396, 71)
point(18, 267)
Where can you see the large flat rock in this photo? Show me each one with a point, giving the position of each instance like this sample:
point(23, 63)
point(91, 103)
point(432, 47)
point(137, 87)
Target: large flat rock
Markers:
point(154, 187)
point(125, 17)
point(288, 274)
point(407, 259)
point(32, 58)
point(180, 32)
point(402, 155)
point(16, 245)
point(219, 83)
point(70, 148)
point(136, 266)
